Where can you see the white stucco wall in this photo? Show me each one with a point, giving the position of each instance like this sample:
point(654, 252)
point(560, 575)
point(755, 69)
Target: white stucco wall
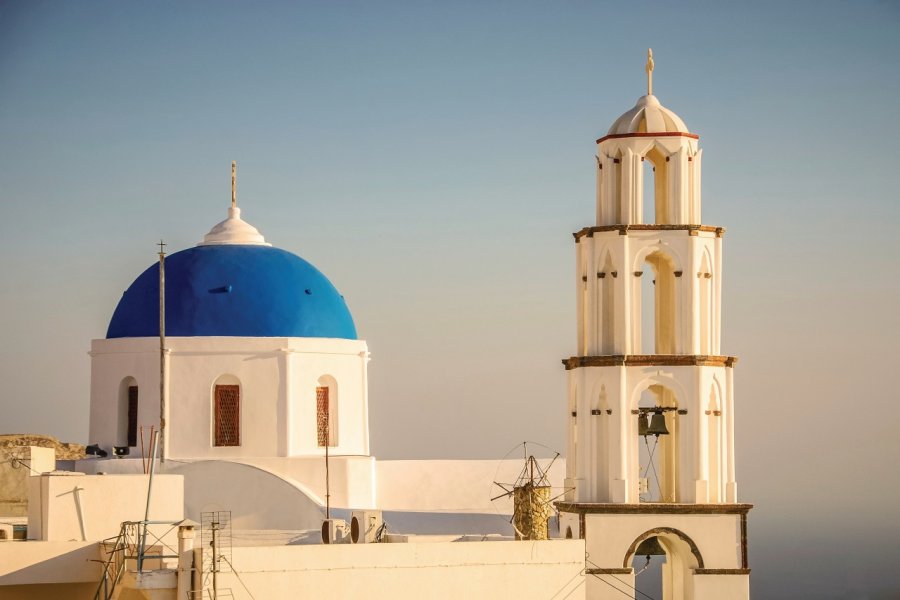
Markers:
point(34, 562)
point(717, 536)
point(74, 506)
point(277, 378)
point(540, 570)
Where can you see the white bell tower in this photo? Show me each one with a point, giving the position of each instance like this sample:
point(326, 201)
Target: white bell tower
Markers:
point(650, 414)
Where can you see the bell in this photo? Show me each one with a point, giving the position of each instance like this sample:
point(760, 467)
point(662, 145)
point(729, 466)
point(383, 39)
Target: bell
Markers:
point(658, 425)
point(643, 424)
point(650, 547)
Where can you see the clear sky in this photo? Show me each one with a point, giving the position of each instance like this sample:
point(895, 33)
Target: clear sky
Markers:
point(433, 159)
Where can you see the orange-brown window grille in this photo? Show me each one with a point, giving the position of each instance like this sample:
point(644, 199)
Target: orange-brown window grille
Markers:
point(228, 415)
point(322, 425)
point(132, 415)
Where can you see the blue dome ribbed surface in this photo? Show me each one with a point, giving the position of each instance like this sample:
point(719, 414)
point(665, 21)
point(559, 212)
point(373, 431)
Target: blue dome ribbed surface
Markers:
point(234, 290)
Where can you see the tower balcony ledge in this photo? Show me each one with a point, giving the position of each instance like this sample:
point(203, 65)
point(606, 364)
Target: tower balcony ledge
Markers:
point(690, 230)
point(649, 360)
point(654, 508)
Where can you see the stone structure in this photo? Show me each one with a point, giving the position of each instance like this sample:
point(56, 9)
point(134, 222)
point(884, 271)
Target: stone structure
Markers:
point(648, 288)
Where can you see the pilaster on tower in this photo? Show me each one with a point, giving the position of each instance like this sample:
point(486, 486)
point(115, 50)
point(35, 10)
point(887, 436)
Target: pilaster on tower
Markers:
point(650, 405)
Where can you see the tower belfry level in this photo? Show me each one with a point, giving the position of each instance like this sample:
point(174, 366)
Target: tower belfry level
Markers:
point(650, 413)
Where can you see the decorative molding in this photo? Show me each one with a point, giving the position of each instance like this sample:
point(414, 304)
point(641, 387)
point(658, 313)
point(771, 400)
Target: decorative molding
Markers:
point(602, 571)
point(649, 360)
point(616, 136)
point(692, 230)
point(721, 571)
point(652, 508)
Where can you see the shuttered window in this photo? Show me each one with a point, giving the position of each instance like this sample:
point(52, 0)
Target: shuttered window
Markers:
point(322, 424)
point(228, 415)
point(132, 415)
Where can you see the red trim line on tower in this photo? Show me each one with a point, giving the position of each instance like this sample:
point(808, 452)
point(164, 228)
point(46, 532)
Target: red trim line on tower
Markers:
point(614, 136)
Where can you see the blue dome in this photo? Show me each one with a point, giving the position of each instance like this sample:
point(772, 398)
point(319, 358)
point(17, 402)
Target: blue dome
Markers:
point(234, 290)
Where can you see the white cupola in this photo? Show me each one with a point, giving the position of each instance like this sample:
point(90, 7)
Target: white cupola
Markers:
point(648, 133)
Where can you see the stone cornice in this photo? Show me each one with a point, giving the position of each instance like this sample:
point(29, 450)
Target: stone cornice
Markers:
point(649, 360)
point(652, 508)
point(615, 136)
point(721, 571)
point(691, 230)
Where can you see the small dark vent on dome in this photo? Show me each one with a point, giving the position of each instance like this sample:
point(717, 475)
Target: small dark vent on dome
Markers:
point(225, 289)
point(308, 292)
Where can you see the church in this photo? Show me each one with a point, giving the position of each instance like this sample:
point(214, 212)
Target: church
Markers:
point(242, 363)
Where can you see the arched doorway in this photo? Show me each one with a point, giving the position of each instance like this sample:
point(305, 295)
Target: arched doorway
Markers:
point(663, 559)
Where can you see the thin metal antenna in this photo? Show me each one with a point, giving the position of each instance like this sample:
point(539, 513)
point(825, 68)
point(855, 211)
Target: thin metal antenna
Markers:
point(162, 351)
point(327, 472)
point(233, 184)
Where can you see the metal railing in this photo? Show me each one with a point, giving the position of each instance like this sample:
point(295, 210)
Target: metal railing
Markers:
point(130, 545)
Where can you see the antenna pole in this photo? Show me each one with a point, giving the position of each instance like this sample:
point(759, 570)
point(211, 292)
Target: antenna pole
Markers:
point(327, 477)
point(162, 351)
point(215, 560)
point(143, 545)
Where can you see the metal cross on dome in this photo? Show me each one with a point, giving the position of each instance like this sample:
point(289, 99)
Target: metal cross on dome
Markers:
point(233, 183)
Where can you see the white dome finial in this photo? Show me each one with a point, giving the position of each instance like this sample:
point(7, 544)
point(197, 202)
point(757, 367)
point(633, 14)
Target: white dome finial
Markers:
point(649, 69)
point(234, 184)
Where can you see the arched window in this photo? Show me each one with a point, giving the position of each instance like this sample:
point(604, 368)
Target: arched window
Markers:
point(658, 300)
point(617, 194)
point(656, 207)
point(128, 412)
point(326, 412)
point(227, 411)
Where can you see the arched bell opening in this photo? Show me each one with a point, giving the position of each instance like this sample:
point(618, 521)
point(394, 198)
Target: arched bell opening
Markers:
point(663, 559)
point(657, 299)
point(618, 200)
point(657, 445)
point(656, 207)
